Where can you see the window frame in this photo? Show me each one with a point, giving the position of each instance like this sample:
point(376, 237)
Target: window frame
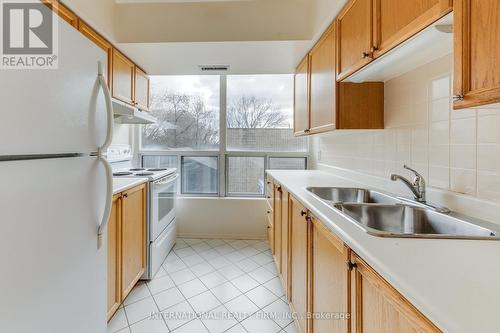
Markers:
point(222, 153)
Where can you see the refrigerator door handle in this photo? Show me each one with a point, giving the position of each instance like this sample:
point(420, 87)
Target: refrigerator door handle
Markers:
point(109, 200)
point(109, 110)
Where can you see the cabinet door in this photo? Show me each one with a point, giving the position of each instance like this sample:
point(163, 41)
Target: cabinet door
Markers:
point(379, 308)
point(133, 237)
point(299, 258)
point(354, 40)
point(396, 20)
point(278, 205)
point(285, 234)
point(301, 98)
point(114, 289)
point(101, 42)
point(329, 280)
point(64, 12)
point(477, 50)
point(141, 89)
point(123, 78)
point(323, 83)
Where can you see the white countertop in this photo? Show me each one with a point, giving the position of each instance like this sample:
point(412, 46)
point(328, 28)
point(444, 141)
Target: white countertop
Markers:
point(455, 283)
point(122, 184)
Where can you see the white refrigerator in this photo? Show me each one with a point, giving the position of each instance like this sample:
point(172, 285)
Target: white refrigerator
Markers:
point(55, 192)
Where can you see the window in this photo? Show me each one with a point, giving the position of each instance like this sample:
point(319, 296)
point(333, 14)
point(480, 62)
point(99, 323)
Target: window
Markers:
point(222, 148)
point(260, 114)
point(199, 175)
point(187, 110)
point(245, 176)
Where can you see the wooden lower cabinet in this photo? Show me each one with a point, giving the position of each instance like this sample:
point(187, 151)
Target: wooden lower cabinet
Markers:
point(299, 262)
point(329, 287)
point(114, 259)
point(126, 245)
point(378, 308)
point(329, 281)
point(278, 212)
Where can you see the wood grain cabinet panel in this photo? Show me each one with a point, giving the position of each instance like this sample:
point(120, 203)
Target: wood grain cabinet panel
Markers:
point(476, 52)
point(101, 42)
point(395, 21)
point(323, 83)
point(354, 40)
point(122, 78)
point(299, 261)
point(114, 256)
point(141, 86)
point(379, 308)
point(278, 225)
point(301, 98)
point(133, 240)
point(285, 244)
point(64, 12)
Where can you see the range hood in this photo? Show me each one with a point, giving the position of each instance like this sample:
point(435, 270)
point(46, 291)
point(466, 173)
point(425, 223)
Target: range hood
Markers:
point(127, 114)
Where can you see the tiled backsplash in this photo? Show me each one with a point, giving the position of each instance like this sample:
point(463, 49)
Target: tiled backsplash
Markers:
point(456, 150)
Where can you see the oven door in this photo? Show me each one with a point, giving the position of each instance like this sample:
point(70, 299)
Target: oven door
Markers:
point(162, 213)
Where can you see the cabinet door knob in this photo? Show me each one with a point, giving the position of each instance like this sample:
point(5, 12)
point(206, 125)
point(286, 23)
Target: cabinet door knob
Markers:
point(458, 98)
point(303, 213)
point(374, 48)
point(125, 195)
point(365, 55)
point(350, 265)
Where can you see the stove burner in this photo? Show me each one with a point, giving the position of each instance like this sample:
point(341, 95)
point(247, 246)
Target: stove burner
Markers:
point(144, 174)
point(157, 169)
point(123, 173)
point(137, 169)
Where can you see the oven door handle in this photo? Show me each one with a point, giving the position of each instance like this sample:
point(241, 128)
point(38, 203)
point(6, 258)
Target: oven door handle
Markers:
point(166, 180)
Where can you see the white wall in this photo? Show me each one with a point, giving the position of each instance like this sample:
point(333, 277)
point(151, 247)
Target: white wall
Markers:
point(100, 14)
point(231, 218)
point(456, 151)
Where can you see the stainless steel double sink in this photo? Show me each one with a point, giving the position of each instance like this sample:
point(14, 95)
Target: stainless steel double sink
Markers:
point(383, 215)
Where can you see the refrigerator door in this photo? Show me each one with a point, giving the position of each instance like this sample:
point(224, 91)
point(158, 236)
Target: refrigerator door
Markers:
point(55, 111)
point(54, 274)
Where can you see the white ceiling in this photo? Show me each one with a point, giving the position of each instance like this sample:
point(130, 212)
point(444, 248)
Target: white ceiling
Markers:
point(174, 1)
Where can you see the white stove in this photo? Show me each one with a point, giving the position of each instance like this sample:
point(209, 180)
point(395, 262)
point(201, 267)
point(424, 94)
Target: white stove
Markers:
point(162, 193)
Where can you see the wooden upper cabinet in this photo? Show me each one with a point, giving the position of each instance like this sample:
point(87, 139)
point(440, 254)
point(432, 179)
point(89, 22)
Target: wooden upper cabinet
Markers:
point(114, 259)
point(323, 83)
point(301, 98)
point(122, 81)
point(133, 237)
point(395, 21)
point(299, 261)
point(64, 12)
point(141, 86)
point(330, 280)
point(378, 308)
point(477, 52)
point(101, 42)
point(354, 40)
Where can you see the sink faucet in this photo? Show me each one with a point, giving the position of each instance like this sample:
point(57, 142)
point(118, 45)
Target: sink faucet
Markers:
point(417, 186)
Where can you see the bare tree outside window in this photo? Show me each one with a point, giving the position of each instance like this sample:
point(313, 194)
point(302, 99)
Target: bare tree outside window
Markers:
point(254, 112)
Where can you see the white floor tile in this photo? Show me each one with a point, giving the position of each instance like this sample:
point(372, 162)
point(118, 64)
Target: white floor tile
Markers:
point(261, 246)
point(261, 275)
point(204, 302)
point(249, 251)
point(219, 320)
point(231, 272)
point(262, 258)
point(192, 241)
point(247, 265)
point(260, 325)
point(241, 307)
point(140, 310)
point(236, 329)
point(118, 321)
point(174, 266)
point(202, 269)
point(215, 242)
point(171, 257)
point(291, 329)
point(219, 262)
point(168, 298)
point(160, 273)
point(182, 276)
point(224, 249)
point(225, 292)
point(140, 291)
point(271, 267)
point(280, 312)
point(244, 283)
point(194, 326)
point(149, 326)
point(210, 254)
point(275, 287)
point(234, 256)
point(193, 260)
point(213, 279)
point(261, 296)
point(200, 247)
point(178, 315)
point(192, 288)
point(238, 244)
point(185, 252)
point(180, 244)
point(125, 330)
point(160, 284)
